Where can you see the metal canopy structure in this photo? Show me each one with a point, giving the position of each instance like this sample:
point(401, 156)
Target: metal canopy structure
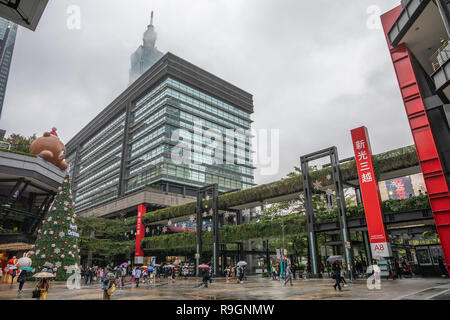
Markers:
point(25, 13)
point(340, 202)
point(212, 190)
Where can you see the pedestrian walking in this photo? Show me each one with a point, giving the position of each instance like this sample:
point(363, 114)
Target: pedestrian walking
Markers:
point(21, 279)
point(442, 267)
point(123, 274)
point(108, 284)
point(210, 272)
point(205, 278)
point(13, 275)
point(118, 275)
point(91, 275)
point(390, 271)
point(137, 276)
point(336, 269)
point(240, 274)
point(228, 273)
point(101, 275)
point(185, 271)
point(342, 275)
point(288, 276)
point(43, 286)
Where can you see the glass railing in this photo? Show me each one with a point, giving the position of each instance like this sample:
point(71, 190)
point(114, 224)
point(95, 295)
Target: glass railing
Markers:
point(441, 56)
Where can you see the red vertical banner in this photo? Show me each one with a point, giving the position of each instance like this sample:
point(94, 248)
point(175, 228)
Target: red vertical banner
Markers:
point(379, 238)
point(138, 252)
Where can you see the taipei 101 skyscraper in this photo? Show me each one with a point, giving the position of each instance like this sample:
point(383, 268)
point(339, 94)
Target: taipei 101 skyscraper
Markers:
point(146, 55)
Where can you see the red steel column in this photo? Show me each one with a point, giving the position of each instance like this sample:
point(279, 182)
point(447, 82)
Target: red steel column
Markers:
point(379, 238)
point(138, 252)
point(435, 181)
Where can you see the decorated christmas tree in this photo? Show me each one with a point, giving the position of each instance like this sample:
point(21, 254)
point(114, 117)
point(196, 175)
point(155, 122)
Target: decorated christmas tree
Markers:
point(57, 240)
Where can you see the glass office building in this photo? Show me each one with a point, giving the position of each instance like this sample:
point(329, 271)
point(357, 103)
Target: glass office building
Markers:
point(8, 31)
point(131, 145)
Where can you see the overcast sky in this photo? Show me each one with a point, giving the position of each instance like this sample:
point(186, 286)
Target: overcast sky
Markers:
point(316, 69)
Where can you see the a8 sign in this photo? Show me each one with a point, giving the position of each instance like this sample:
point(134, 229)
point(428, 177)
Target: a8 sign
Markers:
point(380, 249)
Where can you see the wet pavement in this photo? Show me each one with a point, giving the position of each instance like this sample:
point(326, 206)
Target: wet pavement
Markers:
point(256, 288)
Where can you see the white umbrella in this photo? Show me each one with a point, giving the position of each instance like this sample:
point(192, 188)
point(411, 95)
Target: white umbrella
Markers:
point(332, 259)
point(44, 275)
point(241, 263)
point(24, 262)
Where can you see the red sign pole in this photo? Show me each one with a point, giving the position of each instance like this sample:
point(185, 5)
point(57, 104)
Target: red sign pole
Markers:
point(138, 252)
point(379, 238)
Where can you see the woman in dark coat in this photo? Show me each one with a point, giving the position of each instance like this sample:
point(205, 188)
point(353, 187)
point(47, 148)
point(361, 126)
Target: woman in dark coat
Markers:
point(336, 268)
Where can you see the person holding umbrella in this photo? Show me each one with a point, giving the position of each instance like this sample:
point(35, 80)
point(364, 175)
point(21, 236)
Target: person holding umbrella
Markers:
point(205, 274)
point(43, 284)
point(336, 268)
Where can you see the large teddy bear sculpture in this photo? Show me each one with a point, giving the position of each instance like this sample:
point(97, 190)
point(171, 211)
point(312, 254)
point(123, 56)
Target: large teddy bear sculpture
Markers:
point(51, 149)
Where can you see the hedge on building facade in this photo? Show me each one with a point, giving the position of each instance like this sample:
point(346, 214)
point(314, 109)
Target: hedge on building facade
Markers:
point(393, 160)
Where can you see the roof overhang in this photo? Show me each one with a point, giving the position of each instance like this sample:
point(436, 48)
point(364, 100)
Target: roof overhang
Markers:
point(25, 13)
point(15, 246)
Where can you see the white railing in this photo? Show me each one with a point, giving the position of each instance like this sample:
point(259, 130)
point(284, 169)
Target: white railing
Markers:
point(441, 56)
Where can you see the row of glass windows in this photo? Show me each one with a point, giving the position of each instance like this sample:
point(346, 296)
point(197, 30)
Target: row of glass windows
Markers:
point(152, 106)
point(186, 89)
point(208, 98)
point(187, 108)
point(201, 138)
point(115, 138)
point(190, 166)
point(119, 121)
point(196, 139)
point(184, 173)
point(159, 100)
point(116, 152)
point(106, 196)
point(205, 107)
point(96, 190)
point(148, 164)
point(143, 151)
point(135, 146)
point(103, 179)
point(139, 108)
point(175, 112)
point(190, 127)
point(86, 180)
point(206, 124)
point(149, 155)
point(234, 168)
point(145, 177)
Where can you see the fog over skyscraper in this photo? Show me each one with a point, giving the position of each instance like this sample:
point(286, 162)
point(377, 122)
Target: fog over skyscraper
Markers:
point(146, 55)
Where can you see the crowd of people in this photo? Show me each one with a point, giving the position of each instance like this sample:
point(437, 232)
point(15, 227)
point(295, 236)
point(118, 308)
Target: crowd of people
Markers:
point(236, 272)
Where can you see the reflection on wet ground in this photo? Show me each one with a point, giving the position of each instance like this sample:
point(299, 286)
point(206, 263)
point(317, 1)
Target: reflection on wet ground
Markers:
point(256, 288)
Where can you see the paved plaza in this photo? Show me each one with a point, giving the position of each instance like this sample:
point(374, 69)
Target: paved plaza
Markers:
point(256, 288)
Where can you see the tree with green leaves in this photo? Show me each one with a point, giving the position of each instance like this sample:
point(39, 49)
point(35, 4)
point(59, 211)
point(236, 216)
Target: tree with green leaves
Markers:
point(19, 142)
point(57, 241)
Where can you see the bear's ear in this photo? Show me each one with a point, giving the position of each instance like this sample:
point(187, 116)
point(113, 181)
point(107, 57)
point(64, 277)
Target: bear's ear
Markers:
point(46, 134)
